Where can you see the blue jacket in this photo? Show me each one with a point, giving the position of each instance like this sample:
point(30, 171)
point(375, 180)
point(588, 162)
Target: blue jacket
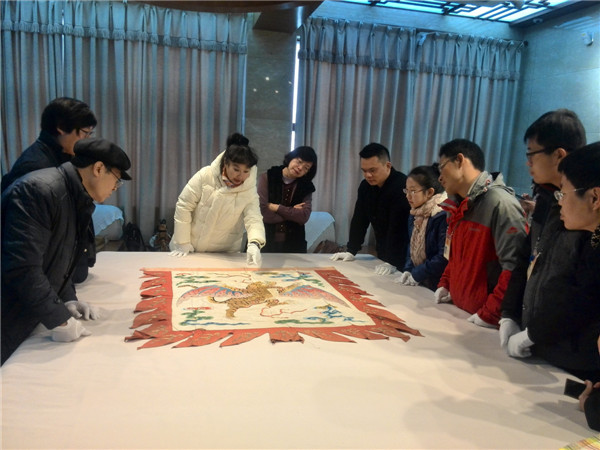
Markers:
point(429, 273)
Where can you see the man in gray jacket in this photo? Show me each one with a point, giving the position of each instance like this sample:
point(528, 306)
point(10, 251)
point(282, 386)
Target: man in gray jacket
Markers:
point(45, 217)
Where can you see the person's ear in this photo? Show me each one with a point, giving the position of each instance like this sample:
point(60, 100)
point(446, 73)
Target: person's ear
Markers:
point(61, 132)
point(595, 198)
point(460, 159)
point(388, 165)
point(98, 168)
point(429, 193)
point(560, 153)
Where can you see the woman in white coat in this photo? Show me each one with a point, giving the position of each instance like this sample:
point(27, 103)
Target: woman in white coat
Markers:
point(220, 202)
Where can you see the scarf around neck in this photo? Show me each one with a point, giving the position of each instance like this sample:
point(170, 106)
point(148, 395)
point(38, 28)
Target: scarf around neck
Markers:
point(422, 214)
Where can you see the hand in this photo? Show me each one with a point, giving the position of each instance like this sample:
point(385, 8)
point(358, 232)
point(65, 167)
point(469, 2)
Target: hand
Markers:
point(273, 207)
point(299, 205)
point(586, 392)
point(344, 256)
point(442, 295)
point(180, 250)
point(406, 279)
point(69, 332)
point(519, 345)
point(253, 256)
point(82, 310)
point(385, 269)
point(508, 327)
point(479, 322)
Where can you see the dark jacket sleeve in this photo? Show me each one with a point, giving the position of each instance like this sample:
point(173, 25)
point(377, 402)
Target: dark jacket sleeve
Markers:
point(396, 236)
point(25, 239)
point(408, 265)
point(512, 304)
point(360, 220)
point(592, 410)
point(434, 265)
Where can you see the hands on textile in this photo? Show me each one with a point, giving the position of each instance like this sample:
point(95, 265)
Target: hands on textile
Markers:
point(406, 279)
point(479, 322)
point(253, 256)
point(180, 250)
point(82, 310)
point(385, 269)
point(508, 327)
point(519, 345)
point(442, 295)
point(69, 332)
point(586, 392)
point(344, 256)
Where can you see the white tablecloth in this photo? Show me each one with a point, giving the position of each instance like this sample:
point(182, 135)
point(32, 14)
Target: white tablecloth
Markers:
point(452, 388)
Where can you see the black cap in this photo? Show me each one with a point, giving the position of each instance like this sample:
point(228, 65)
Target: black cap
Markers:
point(88, 151)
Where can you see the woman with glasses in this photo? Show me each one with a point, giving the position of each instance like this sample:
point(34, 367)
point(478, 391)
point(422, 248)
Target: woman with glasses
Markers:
point(218, 204)
point(285, 194)
point(579, 200)
point(427, 225)
point(561, 307)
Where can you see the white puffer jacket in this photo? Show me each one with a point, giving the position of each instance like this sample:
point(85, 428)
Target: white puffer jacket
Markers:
point(212, 217)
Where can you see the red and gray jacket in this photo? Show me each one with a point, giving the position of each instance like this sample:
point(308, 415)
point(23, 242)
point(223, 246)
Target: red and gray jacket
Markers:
point(486, 231)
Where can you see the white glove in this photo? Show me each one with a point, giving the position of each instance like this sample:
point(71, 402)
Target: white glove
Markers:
point(253, 256)
point(442, 295)
point(180, 250)
point(385, 269)
point(508, 327)
point(519, 345)
point(344, 256)
point(481, 323)
point(82, 310)
point(71, 331)
point(406, 279)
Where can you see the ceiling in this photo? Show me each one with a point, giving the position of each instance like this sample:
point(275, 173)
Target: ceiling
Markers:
point(281, 16)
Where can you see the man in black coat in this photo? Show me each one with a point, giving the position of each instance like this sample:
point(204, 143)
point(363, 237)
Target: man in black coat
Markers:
point(45, 218)
point(382, 204)
point(64, 122)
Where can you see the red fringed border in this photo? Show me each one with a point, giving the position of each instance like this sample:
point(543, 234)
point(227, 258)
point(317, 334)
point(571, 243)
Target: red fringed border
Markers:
point(155, 311)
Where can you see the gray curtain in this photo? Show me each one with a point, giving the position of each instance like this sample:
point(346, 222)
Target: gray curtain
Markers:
point(166, 85)
point(409, 90)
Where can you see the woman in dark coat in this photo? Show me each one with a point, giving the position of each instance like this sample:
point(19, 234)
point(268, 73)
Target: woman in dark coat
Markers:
point(427, 225)
point(285, 194)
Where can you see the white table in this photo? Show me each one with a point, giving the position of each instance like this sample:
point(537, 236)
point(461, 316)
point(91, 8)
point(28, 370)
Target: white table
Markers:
point(452, 388)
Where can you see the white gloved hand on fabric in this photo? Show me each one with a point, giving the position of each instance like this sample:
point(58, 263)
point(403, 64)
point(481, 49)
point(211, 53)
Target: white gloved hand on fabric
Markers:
point(406, 279)
point(71, 331)
point(180, 250)
point(442, 295)
point(385, 269)
point(253, 256)
point(82, 310)
point(344, 256)
point(508, 327)
point(479, 321)
point(519, 345)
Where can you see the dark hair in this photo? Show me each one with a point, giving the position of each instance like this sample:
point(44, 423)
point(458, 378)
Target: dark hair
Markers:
point(561, 128)
point(469, 149)
point(68, 114)
point(306, 154)
point(582, 167)
point(427, 176)
point(375, 149)
point(238, 151)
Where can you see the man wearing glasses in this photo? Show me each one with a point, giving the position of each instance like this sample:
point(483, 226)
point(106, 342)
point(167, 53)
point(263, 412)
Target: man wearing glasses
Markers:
point(538, 303)
point(485, 237)
point(64, 122)
point(45, 217)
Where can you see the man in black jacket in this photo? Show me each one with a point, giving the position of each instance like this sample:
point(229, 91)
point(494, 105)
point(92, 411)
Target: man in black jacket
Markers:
point(45, 218)
point(64, 122)
point(381, 203)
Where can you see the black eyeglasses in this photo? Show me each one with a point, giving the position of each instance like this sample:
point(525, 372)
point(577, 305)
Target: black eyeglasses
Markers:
point(528, 155)
point(119, 182)
point(442, 165)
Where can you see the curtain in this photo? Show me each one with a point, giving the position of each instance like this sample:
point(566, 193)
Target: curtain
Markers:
point(166, 85)
point(411, 91)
